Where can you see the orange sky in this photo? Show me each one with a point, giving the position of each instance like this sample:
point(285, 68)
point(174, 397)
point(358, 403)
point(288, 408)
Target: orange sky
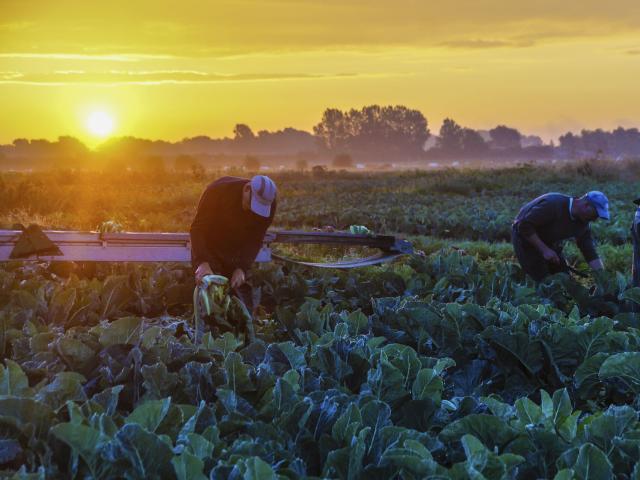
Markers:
point(176, 69)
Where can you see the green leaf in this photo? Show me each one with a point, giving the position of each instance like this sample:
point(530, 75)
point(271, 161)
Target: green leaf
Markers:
point(13, 380)
point(158, 382)
point(625, 366)
point(592, 464)
point(126, 330)
point(188, 467)
point(490, 430)
point(632, 294)
point(476, 453)
point(237, 374)
point(75, 352)
point(60, 306)
point(565, 474)
point(258, 469)
point(347, 425)
point(529, 413)
point(226, 343)
point(427, 385)
point(412, 457)
point(141, 454)
point(586, 377)
point(294, 354)
point(150, 414)
point(606, 429)
point(84, 441)
point(31, 417)
point(65, 386)
point(358, 322)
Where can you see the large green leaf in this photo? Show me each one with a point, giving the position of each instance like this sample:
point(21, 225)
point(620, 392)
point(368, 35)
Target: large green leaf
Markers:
point(625, 366)
point(140, 454)
point(188, 467)
point(65, 386)
point(84, 441)
point(237, 373)
point(126, 330)
point(428, 384)
point(150, 414)
point(491, 431)
point(258, 469)
point(588, 463)
point(13, 380)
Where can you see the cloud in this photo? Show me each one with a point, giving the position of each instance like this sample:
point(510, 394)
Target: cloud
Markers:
point(10, 75)
point(129, 57)
point(155, 77)
point(242, 27)
point(15, 26)
point(482, 44)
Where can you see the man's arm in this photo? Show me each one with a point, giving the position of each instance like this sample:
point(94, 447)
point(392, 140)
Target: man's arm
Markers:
point(586, 245)
point(204, 260)
point(539, 215)
point(549, 254)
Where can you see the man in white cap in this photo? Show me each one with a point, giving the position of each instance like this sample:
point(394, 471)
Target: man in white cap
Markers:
point(544, 223)
point(226, 234)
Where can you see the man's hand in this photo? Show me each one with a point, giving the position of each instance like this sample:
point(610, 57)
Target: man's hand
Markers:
point(551, 256)
point(237, 279)
point(203, 270)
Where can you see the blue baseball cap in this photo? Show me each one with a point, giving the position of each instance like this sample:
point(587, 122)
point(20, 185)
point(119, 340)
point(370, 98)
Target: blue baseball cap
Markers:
point(263, 193)
point(599, 201)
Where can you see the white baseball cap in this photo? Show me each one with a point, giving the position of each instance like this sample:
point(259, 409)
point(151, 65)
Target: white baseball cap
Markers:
point(263, 193)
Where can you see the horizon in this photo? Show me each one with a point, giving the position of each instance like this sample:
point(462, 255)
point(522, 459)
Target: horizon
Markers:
point(148, 71)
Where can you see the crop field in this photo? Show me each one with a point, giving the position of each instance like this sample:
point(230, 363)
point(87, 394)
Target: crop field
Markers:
point(448, 364)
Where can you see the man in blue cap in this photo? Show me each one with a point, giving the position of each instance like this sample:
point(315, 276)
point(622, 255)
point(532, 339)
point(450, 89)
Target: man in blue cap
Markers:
point(227, 232)
point(544, 223)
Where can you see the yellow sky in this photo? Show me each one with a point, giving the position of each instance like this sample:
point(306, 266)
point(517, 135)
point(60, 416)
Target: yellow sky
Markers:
point(176, 69)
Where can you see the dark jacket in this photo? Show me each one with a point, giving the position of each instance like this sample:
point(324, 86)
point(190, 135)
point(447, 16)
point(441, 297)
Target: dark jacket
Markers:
point(222, 232)
point(549, 217)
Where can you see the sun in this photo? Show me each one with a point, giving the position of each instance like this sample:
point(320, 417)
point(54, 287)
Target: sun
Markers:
point(100, 124)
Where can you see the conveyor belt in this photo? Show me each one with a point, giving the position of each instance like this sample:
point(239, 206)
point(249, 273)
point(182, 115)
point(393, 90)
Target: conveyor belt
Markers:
point(176, 247)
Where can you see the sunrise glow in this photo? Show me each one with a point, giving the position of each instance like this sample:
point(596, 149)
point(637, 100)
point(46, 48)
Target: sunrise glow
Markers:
point(100, 124)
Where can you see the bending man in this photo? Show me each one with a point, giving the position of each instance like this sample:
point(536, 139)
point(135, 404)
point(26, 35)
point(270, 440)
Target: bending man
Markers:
point(227, 232)
point(545, 222)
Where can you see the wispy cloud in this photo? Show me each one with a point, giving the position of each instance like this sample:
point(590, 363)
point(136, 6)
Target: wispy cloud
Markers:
point(134, 57)
point(159, 77)
point(10, 75)
point(15, 26)
point(482, 44)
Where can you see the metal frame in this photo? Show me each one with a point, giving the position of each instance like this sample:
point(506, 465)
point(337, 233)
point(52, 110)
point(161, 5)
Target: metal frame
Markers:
point(176, 247)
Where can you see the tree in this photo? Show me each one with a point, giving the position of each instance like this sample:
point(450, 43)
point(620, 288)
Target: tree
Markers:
point(504, 138)
point(570, 144)
point(243, 133)
point(472, 143)
point(374, 131)
point(450, 140)
point(333, 131)
point(342, 160)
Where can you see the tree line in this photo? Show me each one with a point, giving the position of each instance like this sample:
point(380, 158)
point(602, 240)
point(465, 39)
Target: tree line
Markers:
point(374, 133)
